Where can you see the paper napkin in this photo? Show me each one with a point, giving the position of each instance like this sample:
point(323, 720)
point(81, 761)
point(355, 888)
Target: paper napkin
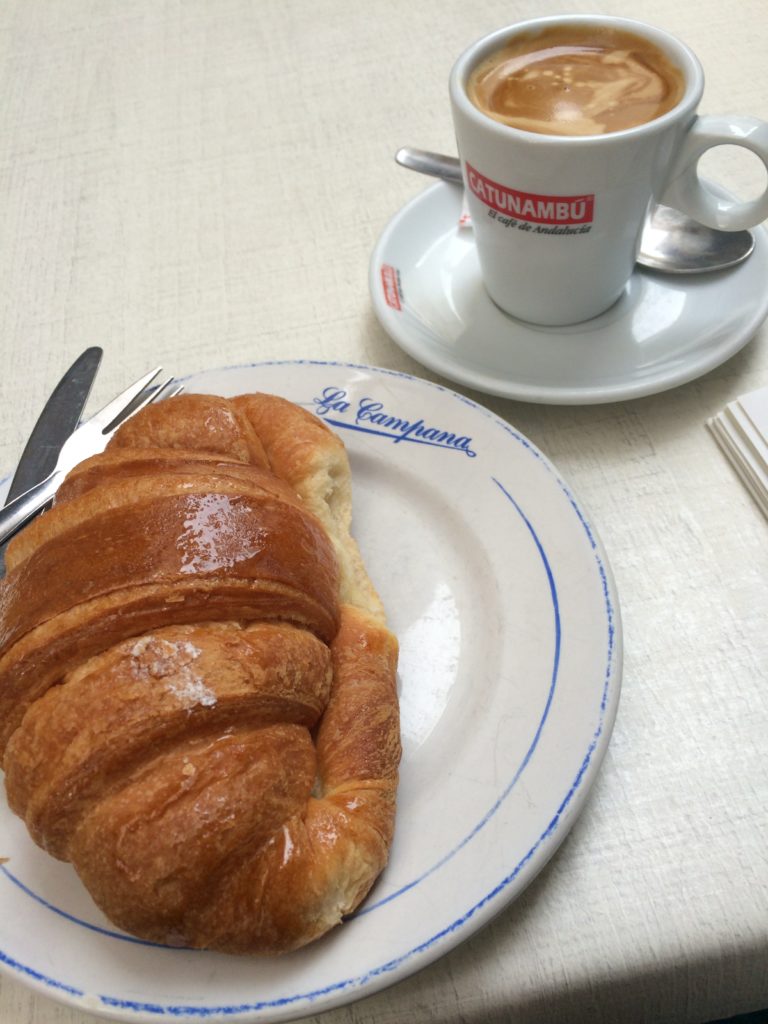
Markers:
point(741, 430)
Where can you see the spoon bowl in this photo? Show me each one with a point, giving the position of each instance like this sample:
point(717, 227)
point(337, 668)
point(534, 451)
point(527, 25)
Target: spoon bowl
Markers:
point(671, 242)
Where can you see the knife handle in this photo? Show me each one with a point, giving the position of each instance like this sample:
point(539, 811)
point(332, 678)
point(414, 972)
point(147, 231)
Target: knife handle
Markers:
point(19, 511)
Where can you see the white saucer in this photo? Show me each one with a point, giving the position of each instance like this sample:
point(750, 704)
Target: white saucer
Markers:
point(665, 330)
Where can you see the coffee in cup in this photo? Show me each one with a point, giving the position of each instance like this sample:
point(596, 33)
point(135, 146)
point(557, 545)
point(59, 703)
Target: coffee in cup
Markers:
point(569, 128)
point(576, 80)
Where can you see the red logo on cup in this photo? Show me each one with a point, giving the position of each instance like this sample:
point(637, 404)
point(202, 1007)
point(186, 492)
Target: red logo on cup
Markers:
point(389, 284)
point(529, 206)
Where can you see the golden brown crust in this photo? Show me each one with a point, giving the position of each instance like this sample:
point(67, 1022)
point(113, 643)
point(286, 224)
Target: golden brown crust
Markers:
point(303, 451)
point(202, 423)
point(198, 707)
point(79, 741)
point(134, 463)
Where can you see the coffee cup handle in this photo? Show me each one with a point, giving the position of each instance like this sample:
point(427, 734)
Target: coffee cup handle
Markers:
point(686, 192)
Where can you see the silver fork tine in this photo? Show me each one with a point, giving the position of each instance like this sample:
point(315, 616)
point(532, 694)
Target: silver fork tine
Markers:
point(151, 395)
point(105, 417)
point(169, 390)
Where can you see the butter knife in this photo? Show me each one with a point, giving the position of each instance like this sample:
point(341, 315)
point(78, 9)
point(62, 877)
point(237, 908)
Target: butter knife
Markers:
point(59, 417)
point(56, 422)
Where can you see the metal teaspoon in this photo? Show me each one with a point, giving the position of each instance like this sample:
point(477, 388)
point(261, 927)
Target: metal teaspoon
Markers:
point(671, 242)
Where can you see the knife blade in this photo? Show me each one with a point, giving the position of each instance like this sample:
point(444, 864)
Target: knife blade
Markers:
point(59, 417)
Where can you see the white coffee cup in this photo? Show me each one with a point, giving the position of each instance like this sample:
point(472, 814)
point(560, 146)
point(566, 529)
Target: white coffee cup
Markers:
point(557, 219)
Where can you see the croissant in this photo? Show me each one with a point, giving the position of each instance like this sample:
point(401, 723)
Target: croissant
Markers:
point(198, 705)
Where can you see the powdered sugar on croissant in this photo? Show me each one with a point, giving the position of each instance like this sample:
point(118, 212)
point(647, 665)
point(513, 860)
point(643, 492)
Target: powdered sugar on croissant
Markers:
point(197, 685)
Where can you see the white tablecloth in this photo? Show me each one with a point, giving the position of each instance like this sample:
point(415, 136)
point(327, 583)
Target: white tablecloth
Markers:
point(201, 184)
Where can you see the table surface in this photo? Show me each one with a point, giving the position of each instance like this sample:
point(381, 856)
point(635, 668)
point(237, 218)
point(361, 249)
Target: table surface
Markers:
point(202, 183)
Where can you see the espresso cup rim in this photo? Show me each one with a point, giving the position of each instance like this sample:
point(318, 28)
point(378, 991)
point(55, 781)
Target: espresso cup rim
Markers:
point(674, 47)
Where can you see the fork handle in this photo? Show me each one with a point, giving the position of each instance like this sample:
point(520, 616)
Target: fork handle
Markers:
point(19, 511)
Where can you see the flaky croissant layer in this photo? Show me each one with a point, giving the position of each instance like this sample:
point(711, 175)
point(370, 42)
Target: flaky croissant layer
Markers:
point(198, 705)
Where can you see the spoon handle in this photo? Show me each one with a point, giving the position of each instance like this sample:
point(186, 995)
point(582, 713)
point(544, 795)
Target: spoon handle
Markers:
point(436, 164)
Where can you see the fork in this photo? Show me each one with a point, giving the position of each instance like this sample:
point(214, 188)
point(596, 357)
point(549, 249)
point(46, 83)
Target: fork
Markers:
point(90, 438)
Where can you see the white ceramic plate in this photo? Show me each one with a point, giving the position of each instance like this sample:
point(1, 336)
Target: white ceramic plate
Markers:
point(664, 330)
point(501, 595)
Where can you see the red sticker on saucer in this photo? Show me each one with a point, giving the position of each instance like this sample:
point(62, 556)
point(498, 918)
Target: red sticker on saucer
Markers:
point(391, 286)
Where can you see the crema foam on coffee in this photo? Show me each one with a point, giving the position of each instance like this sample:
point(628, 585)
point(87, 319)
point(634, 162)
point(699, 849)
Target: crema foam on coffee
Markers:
point(576, 80)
